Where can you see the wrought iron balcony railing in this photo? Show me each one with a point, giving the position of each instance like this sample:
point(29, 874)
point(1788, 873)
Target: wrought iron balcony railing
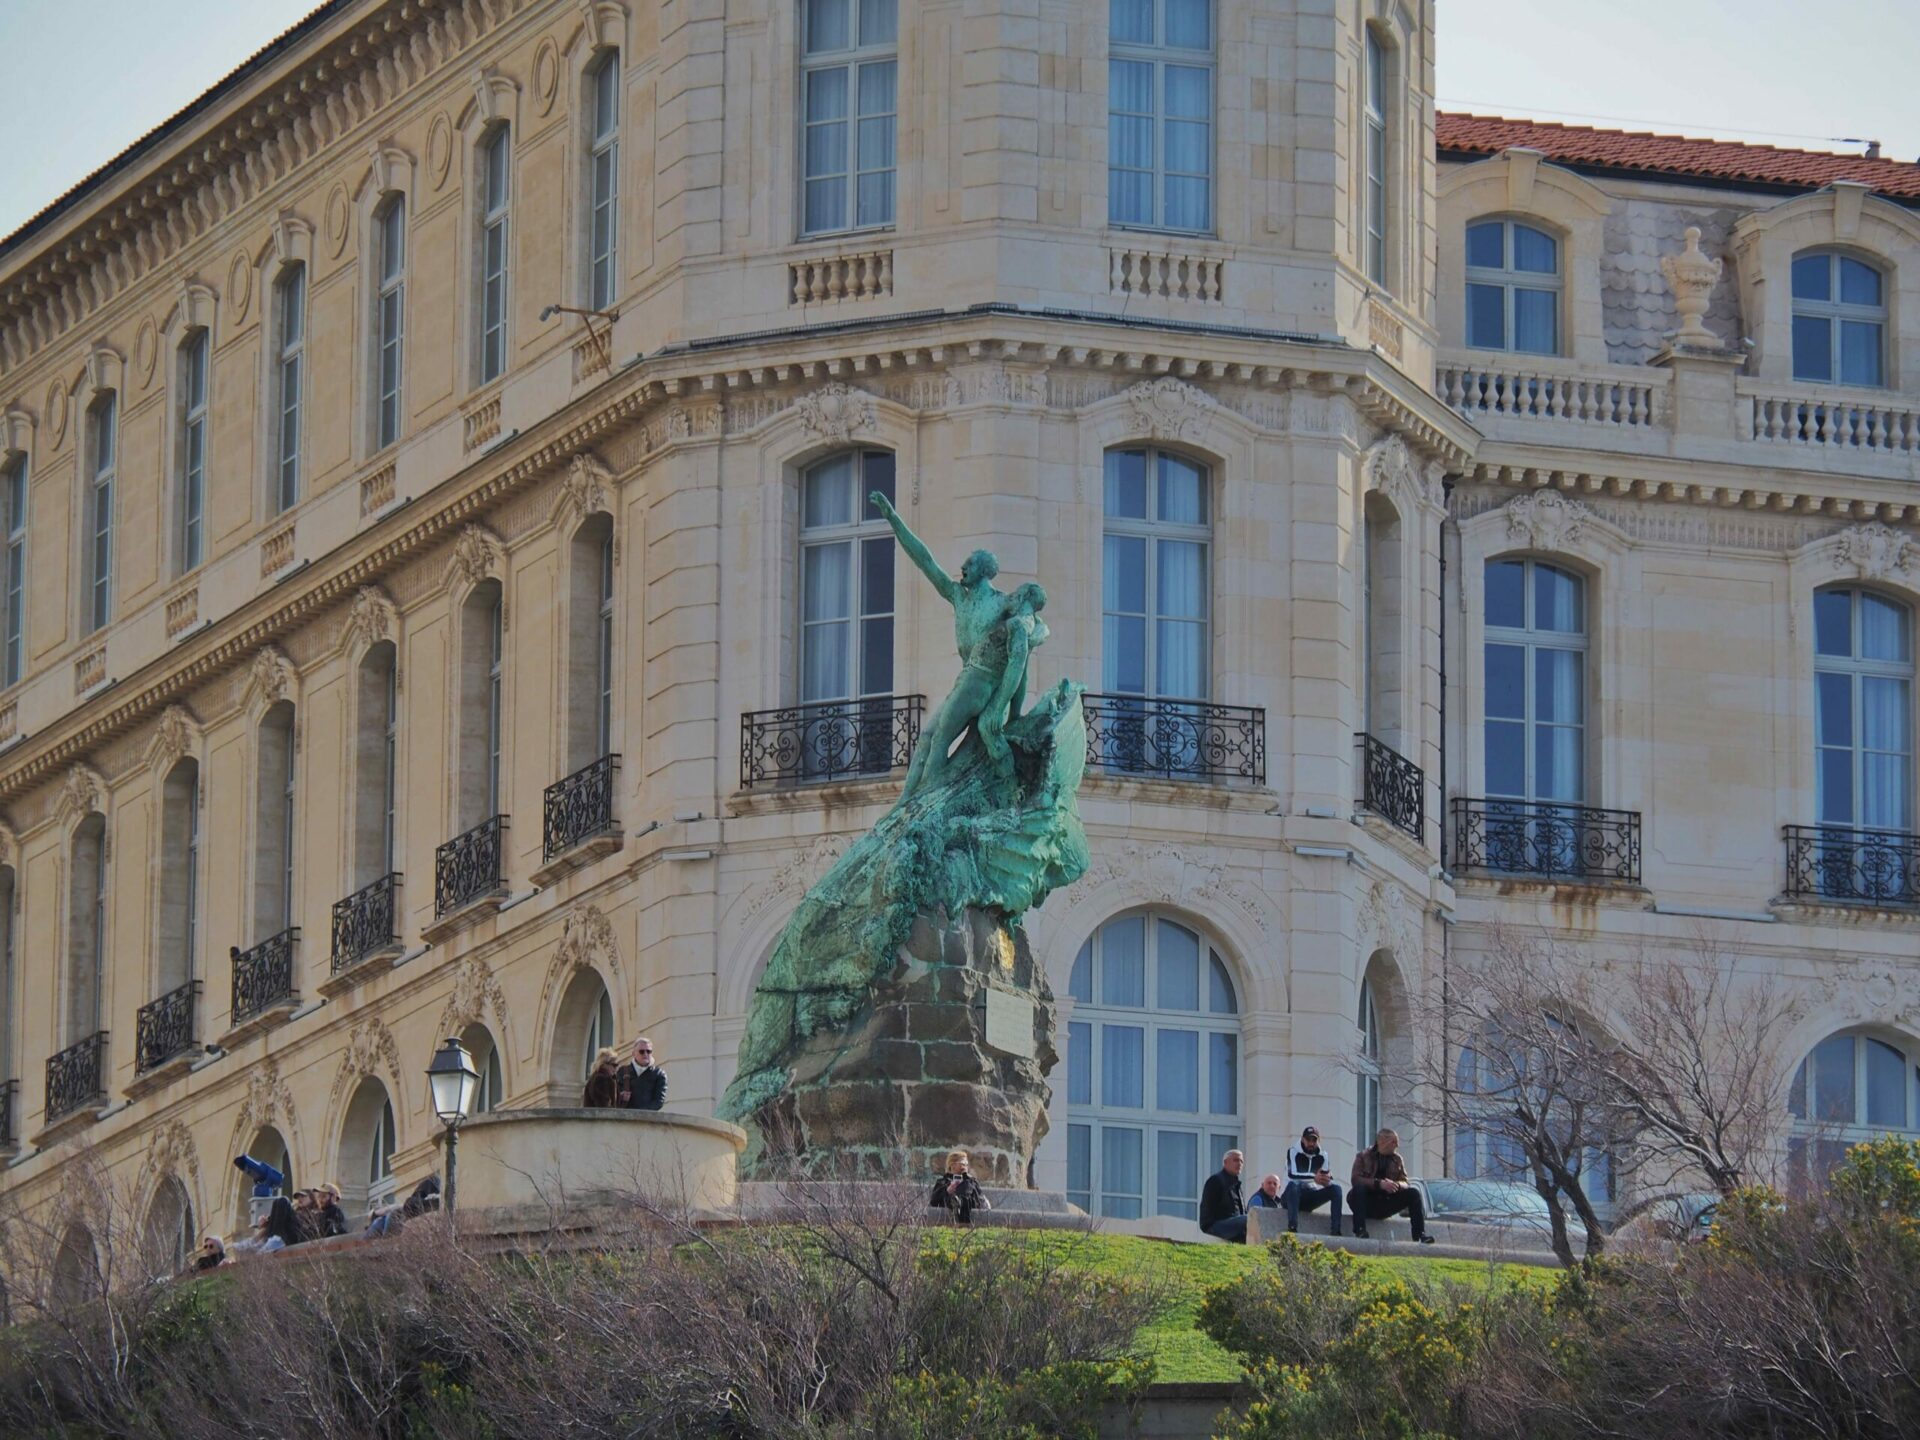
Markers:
point(1839, 862)
point(263, 976)
point(364, 922)
point(76, 1076)
point(9, 1132)
point(1392, 786)
point(578, 808)
point(1176, 739)
point(468, 866)
point(835, 740)
point(1547, 839)
point(164, 1028)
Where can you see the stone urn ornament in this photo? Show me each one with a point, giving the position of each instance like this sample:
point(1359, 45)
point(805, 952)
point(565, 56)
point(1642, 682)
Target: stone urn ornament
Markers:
point(1692, 274)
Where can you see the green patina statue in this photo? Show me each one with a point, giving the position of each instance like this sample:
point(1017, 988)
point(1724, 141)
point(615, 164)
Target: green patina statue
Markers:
point(901, 1014)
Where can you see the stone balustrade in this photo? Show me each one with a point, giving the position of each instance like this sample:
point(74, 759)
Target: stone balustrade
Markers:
point(1491, 383)
point(1830, 418)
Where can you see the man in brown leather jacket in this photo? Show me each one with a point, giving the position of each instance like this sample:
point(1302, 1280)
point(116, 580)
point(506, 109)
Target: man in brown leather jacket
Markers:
point(1381, 1188)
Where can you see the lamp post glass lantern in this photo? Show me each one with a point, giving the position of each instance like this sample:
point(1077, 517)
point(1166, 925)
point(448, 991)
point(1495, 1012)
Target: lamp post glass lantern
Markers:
point(453, 1080)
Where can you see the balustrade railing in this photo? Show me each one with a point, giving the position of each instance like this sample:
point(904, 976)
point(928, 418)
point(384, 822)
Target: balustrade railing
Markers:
point(1839, 862)
point(1823, 417)
point(1547, 839)
point(1392, 786)
point(263, 976)
point(76, 1076)
point(833, 740)
point(1503, 384)
point(365, 922)
point(164, 1028)
point(9, 1130)
point(468, 866)
point(578, 808)
point(1176, 739)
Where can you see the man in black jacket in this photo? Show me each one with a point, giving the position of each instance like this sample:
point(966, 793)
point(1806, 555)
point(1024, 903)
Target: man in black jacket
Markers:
point(1222, 1213)
point(640, 1084)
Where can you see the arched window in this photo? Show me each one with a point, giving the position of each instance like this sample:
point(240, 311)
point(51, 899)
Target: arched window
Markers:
point(492, 1088)
point(482, 702)
point(274, 828)
point(600, 1031)
point(1153, 1069)
point(1377, 103)
point(9, 925)
point(168, 1240)
point(179, 874)
point(367, 1144)
point(495, 262)
point(1512, 1076)
point(77, 1276)
point(582, 1027)
point(376, 759)
point(603, 187)
point(270, 1147)
point(590, 663)
point(191, 519)
point(1157, 590)
point(1367, 1074)
point(1839, 319)
point(13, 583)
point(86, 928)
point(390, 321)
point(102, 445)
point(1513, 288)
point(289, 378)
point(1536, 644)
point(1863, 709)
point(849, 64)
point(846, 615)
point(1851, 1088)
point(1160, 102)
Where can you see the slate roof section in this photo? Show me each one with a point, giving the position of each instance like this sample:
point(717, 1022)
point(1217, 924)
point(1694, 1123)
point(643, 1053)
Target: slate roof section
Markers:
point(1678, 156)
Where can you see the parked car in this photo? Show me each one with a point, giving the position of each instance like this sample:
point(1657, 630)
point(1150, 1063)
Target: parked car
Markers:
point(1500, 1204)
point(1686, 1219)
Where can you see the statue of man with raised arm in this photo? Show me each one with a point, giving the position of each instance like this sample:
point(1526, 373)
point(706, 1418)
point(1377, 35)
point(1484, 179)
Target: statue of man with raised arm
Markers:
point(995, 633)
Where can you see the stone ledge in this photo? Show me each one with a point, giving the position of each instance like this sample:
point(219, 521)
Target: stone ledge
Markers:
point(1618, 893)
point(815, 795)
point(466, 917)
point(163, 1074)
point(275, 1014)
point(374, 962)
point(1845, 912)
point(581, 855)
point(72, 1123)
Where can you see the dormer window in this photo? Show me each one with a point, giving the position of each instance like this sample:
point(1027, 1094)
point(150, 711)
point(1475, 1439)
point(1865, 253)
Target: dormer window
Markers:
point(1513, 288)
point(1839, 320)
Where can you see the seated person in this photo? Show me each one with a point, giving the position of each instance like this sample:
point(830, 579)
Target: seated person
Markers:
point(1222, 1213)
point(1267, 1197)
point(213, 1253)
point(1309, 1185)
point(1381, 1188)
point(958, 1191)
point(326, 1204)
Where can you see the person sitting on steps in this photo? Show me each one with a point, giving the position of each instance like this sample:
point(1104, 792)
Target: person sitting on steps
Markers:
point(1309, 1186)
point(1222, 1214)
point(1381, 1188)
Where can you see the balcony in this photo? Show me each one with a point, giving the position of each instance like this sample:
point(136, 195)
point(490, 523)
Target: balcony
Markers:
point(9, 1127)
point(467, 883)
point(1828, 419)
point(263, 980)
point(577, 825)
point(1392, 787)
point(1494, 385)
point(366, 934)
point(76, 1077)
point(1187, 740)
point(834, 740)
point(164, 1031)
point(1547, 840)
point(1843, 865)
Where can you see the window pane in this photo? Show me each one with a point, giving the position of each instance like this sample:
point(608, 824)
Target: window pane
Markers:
point(829, 494)
point(1120, 1172)
point(1835, 786)
point(1124, 638)
point(1180, 668)
point(1833, 622)
point(1179, 967)
point(1859, 353)
point(1506, 594)
point(877, 466)
point(1130, 197)
point(1833, 1080)
point(1126, 574)
point(1484, 245)
point(1188, 24)
point(1123, 1054)
point(1179, 1173)
point(1219, 988)
point(1176, 1082)
point(1536, 322)
point(1556, 600)
point(876, 576)
point(1506, 682)
point(1079, 1062)
point(1127, 486)
point(1080, 983)
point(1813, 277)
point(1886, 1086)
point(1859, 284)
point(1223, 1074)
point(876, 98)
point(1182, 579)
point(1187, 91)
point(1812, 348)
point(1506, 757)
point(1886, 714)
point(1487, 317)
point(826, 204)
point(1556, 686)
point(1183, 491)
point(827, 581)
point(1131, 21)
point(1833, 715)
point(1535, 251)
point(1130, 90)
point(1123, 963)
point(879, 22)
point(1883, 629)
point(827, 25)
point(1557, 764)
point(1080, 1165)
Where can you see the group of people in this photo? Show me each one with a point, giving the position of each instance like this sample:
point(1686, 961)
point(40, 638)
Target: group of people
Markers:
point(635, 1084)
point(1377, 1188)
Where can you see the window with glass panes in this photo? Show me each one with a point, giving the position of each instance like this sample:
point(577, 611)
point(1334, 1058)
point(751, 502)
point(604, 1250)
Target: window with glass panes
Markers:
point(600, 1034)
point(1367, 1074)
point(1839, 320)
point(1496, 1068)
point(848, 81)
point(496, 697)
point(1536, 651)
point(193, 449)
point(380, 1180)
point(1153, 1069)
point(1513, 288)
point(1851, 1088)
point(496, 167)
point(390, 321)
point(103, 438)
point(1156, 593)
point(603, 163)
point(390, 760)
point(1160, 114)
point(1376, 159)
point(13, 626)
point(1863, 709)
point(846, 579)
point(290, 321)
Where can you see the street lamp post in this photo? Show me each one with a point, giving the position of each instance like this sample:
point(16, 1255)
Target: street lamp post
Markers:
point(452, 1079)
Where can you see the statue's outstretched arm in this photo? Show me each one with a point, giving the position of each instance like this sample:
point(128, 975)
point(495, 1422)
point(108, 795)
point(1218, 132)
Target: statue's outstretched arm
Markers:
point(916, 549)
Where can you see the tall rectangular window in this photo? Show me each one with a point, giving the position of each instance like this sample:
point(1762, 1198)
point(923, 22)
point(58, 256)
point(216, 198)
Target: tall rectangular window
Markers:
point(1160, 114)
point(846, 580)
point(603, 224)
point(1536, 644)
point(1156, 586)
point(193, 450)
point(1863, 709)
point(13, 630)
point(103, 421)
point(496, 162)
point(848, 80)
point(1376, 153)
point(390, 322)
point(496, 700)
point(606, 642)
point(291, 307)
point(390, 786)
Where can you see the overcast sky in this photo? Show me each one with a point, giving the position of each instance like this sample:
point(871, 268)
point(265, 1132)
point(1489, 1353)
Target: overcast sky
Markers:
point(1790, 72)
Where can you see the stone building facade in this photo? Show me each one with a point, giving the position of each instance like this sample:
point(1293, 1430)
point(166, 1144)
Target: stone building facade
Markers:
point(439, 598)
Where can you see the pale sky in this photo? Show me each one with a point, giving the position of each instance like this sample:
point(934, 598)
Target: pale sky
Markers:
point(1815, 71)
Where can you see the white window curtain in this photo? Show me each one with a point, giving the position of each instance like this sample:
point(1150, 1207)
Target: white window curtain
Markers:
point(1863, 709)
point(15, 580)
point(849, 80)
point(1157, 590)
point(1513, 288)
point(1160, 100)
point(1839, 320)
point(1536, 646)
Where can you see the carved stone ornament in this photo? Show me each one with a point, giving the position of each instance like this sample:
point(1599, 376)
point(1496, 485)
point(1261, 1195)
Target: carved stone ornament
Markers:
point(369, 1048)
point(476, 554)
point(1692, 274)
point(1879, 552)
point(372, 618)
point(9, 846)
point(172, 1152)
point(173, 736)
point(836, 412)
point(271, 677)
point(1391, 468)
point(586, 936)
point(1388, 922)
point(81, 793)
point(268, 1101)
point(475, 991)
point(1165, 409)
point(799, 873)
point(1546, 520)
point(585, 486)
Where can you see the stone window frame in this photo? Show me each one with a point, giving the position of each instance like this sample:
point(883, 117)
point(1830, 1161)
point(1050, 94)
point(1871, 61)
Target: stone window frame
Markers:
point(495, 103)
point(16, 449)
point(1159, 54)
point(74, 1027)
point(604, 30)
point(290, 243)
point(1387, 22)
point(391, 176)
point(161, 764)
point(195, 313)
point(789, 67)
point(101, 381)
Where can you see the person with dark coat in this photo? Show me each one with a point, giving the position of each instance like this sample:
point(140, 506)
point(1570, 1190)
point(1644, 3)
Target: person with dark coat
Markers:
point(333, 1220)
point(1222, 1212)
point(213, 1254)
point(602, 1089)
point(282, 1226)
point(1381, 1188)
point(1309, 1185)
point(640, 1084)
point(957, 1191)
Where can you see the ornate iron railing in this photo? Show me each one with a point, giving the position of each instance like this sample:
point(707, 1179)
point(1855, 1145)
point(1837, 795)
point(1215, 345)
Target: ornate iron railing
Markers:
point(364, 922)
point(263, 976)
point(468, 866)
point(1392, 786)
point(1547, 839)
point(76, 1076)
point(578, 807)
point(9, 1132)
point(1176, 739)
point(836, 740)
point(1838, 862)
point(164, 1028)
